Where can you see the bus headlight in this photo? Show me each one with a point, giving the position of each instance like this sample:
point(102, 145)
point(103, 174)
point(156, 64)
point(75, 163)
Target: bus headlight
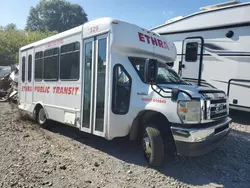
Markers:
point(189, 111)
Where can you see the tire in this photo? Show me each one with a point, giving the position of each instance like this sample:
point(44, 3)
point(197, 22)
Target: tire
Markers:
point(41, 117)
point(153, 145)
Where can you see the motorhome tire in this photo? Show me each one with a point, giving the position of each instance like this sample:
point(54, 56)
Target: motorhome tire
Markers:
point(152, 145)
point(41, 118)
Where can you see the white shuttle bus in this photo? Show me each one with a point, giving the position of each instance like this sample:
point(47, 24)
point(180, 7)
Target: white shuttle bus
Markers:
point(111, 78)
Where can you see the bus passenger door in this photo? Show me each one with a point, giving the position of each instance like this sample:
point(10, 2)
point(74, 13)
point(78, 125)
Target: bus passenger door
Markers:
point(29, 68)
point(192, 56)
point(94, 84)
point(23, 79)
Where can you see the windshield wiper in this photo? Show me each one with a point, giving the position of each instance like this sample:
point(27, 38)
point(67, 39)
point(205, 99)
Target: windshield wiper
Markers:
point(175, 82)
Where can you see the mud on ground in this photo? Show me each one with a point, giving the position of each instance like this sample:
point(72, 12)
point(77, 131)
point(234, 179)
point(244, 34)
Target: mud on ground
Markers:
point(61, 156)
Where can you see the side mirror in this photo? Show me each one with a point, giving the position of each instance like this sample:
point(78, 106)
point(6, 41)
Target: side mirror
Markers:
point(170, 64)
point(174, 94)
point(151, 71)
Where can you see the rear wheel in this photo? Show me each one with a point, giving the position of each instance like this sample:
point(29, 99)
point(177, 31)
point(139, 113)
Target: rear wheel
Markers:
point(41, 117)
point(153, 145)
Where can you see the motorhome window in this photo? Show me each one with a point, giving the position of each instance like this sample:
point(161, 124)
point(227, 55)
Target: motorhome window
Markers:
point(70, 61)
point(38, 66)
point(165, 75)
point(29, 67)
point(121, 90)
point(51, 64)
point(23, 69)
point(191, 52)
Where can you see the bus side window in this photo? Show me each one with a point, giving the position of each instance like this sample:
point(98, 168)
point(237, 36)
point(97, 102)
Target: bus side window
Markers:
point(29, 67)
point(38, 66)
point(122, 83)
point(51, 64)
point(191, 52)
point(70, 61)
point(23, 69)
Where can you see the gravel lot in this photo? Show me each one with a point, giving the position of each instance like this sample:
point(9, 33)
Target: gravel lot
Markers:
point(62, 156)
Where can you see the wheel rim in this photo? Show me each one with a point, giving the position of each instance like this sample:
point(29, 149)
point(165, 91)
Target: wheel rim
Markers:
point(42, 116)
point(146, 146)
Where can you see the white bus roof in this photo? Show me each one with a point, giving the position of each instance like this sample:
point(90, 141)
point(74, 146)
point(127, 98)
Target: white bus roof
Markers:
point(107, 21)
point(129, 38)
point(69, 32)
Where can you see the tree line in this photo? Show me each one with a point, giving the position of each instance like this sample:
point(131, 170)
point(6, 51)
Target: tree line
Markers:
point(47, 18)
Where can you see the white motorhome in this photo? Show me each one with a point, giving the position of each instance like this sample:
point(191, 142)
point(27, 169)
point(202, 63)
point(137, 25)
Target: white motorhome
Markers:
point(213, 48)
point(110, 78)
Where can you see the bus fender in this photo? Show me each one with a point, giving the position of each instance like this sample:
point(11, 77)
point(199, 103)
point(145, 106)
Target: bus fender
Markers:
point(134, 129)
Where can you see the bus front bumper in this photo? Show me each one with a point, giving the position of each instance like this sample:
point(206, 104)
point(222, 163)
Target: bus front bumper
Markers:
point(199, 141)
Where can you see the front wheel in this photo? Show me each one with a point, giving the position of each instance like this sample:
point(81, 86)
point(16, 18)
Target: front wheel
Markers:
point(153, 145)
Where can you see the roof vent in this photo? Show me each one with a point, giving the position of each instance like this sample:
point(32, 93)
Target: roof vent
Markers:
point(216, 6)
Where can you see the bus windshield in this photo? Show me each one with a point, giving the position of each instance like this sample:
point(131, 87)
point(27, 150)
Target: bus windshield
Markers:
point(165, 75)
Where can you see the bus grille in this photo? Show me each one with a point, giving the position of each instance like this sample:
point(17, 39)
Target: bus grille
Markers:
point(218, 110)
point(215, 106)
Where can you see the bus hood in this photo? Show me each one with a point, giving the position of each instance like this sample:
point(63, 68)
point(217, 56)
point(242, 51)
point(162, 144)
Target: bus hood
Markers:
point(195, 91)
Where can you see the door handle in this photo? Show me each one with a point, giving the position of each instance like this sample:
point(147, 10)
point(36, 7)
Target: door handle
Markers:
point(181, 65)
